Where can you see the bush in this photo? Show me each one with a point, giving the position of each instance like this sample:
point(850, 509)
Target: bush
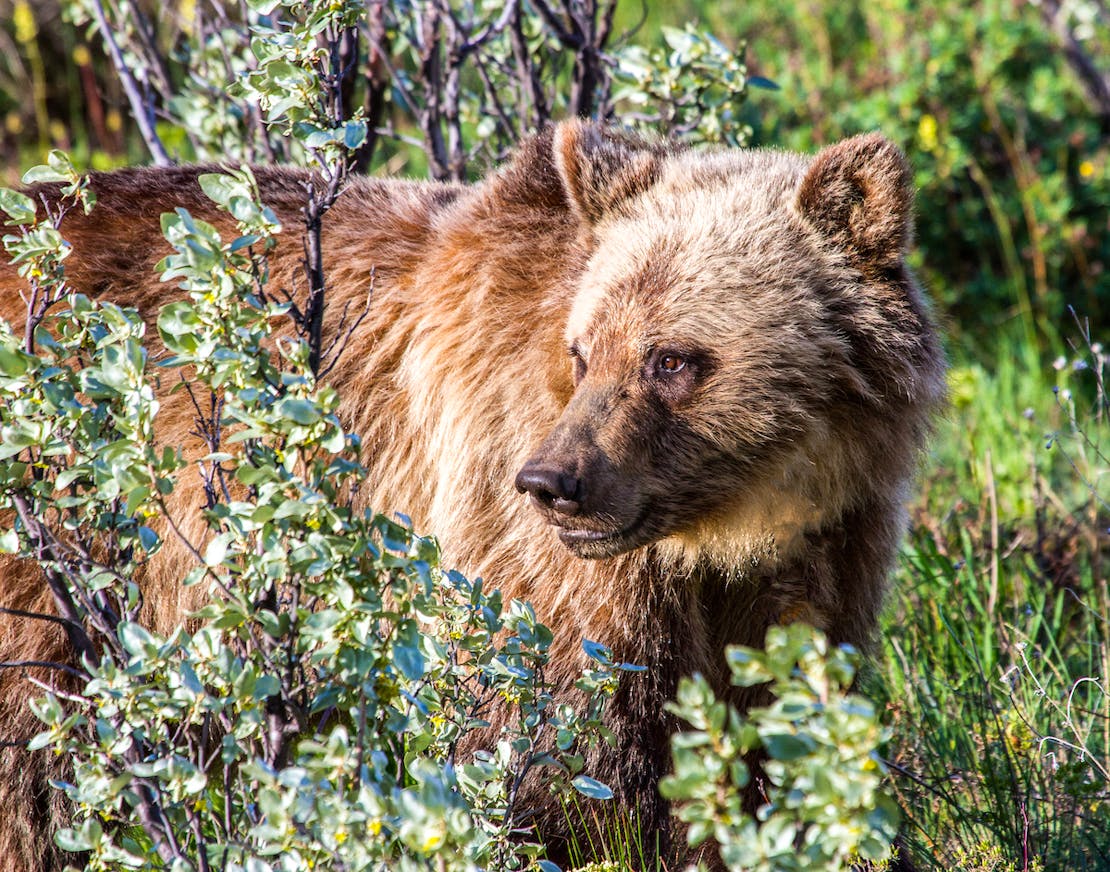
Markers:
point(821, 774)
point(337, 668)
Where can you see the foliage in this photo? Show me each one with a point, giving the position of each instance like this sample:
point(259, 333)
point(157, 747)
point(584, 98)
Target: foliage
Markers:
point(820, 772)
point(337, 667)
point(992, 100)
point(995, 654)
point(460, 83)
point(695, 87)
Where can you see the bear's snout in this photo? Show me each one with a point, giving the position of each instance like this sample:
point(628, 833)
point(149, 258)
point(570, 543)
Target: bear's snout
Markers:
point(593, 518)
point(551, 489)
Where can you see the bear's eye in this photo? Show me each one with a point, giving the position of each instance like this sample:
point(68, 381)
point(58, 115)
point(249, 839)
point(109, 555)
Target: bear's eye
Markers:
point(669, 364)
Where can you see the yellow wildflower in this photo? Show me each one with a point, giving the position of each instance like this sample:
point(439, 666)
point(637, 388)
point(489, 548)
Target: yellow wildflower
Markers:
point(23, 20)
point(927, 132)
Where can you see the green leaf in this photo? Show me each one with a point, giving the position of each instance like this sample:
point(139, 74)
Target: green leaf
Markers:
point(41, 740)
point(19, 207)
point(597, 652)
point(72, 840)
point(748, 666)
point(761, 82)
point(299, 410)
point(218, 187)
point(42, 173)
point(178, 319)
point(249, 475)
point(315, 137)
point(136, 639)
point(15, 362)
point(9, 542)
point(148, 539)
point(59, 162)
point(592, 788)
point(788, 746)
point(354, 134)
point(244, 242)
point(216, 551)
point(410, 661)
point(266, 686)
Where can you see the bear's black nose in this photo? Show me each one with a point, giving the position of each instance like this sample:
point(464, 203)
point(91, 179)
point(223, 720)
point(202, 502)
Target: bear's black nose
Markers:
point(550, 488)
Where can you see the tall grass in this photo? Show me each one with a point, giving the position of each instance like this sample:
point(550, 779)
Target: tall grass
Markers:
point(606, 841)
point(996, 653)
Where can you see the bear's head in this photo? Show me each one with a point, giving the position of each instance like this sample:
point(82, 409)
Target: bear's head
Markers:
point(749, 352)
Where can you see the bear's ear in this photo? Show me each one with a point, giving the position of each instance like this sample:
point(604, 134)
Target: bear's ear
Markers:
point(859, 194)
point(600, 167)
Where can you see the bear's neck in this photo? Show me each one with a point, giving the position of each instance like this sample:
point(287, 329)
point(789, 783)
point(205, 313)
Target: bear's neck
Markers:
point(679, 616)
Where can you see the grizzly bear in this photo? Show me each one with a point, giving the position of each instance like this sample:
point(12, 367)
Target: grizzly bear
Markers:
point(670, 397)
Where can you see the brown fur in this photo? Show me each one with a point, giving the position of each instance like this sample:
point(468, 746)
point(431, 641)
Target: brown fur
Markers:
point(765, 481)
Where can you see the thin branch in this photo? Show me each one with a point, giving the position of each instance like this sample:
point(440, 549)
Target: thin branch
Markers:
point(605, 27)
point(38, 616)
point(44, 553)
point(392, 133)
point(75, 698)
point(140, 108)
point(46, 664)
point(318, 203)
point(527, 72)
point(503, 120)
point(1095, 82)
point(339, 344)
point(428, 38)
point(150, 49)
point(378, 79)
point(556, 25)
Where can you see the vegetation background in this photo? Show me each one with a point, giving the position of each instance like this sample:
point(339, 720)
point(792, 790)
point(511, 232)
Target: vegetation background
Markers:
point(995, 661)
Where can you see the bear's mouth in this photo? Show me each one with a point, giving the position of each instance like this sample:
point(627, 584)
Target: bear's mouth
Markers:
point(594, 544)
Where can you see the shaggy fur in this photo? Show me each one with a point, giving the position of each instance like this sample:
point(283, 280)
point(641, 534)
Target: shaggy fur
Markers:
point(728, 443)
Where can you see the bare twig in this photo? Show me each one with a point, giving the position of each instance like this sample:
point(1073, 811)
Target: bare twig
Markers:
point(46, 664)
point(429, 34)
point(319, 201)
point(38, 616)
point(378, 81)
point(556, 25)
point(339, 344)
point(44, 552)
point(151, 55)
point(1095, 82)
point(533, 105)
point(141, 107)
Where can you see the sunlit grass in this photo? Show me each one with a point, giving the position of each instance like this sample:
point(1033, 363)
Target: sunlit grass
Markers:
point(995, 652)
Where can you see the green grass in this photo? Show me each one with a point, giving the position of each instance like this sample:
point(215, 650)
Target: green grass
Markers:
point(995, 652)
point(602, 841)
